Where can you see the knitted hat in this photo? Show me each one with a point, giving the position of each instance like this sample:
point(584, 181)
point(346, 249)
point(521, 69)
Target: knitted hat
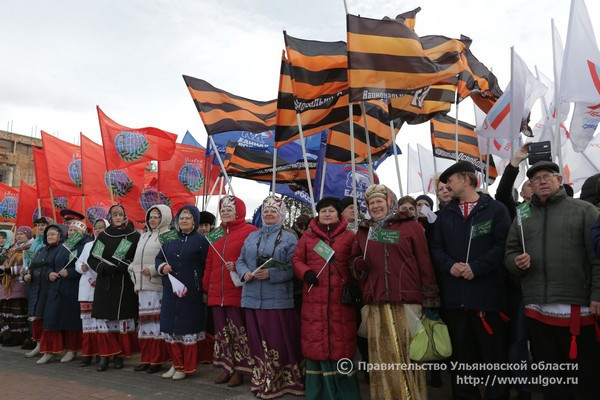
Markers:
point(330, 201)
point(347, 202)
point(426, 198)
point(376, 191)
point(25, 230)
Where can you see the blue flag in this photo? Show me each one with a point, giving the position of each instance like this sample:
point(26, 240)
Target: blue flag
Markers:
point(190, 140)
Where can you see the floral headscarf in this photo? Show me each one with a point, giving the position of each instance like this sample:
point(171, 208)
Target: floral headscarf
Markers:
point(125, 220)
point(385, 193)
point(228, 203)
point(276, 204)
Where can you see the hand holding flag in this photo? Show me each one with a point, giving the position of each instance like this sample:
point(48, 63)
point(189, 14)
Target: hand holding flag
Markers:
point(326, 252)
point(179, 288)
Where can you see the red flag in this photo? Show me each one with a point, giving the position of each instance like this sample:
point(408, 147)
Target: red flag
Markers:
point(184, 172)
point(9, 202)
point(93, 168)
point(41, 173)
point(27, 210)
point(151, 195)
point(63, 161)
point(126, 146)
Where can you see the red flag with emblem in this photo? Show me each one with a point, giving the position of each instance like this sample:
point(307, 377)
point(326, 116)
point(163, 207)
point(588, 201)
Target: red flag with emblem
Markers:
point(42, 182)
point(27, 209)
point(125, 146)
point(63, 163)
point(9, 202)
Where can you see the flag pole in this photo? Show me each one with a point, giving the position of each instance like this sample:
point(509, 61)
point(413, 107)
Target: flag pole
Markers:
point(83, 204)
point(322, 188)
point(363, 106)
point(52, 201)
point(212, 191)
point(40, 208)
point(352, 158)
point(225, 176)
point(395, 150)
point(469, 246)
point(487, 163)
point(421, 169)
point(303, 143)
point(222, 179)
point(274, 170)
point(112, 196)
point(513, 113)
point(407, 169)
point(557, 102)
point(456, 128)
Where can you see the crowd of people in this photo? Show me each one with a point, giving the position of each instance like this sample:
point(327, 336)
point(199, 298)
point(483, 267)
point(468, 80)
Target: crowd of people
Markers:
point(514, 283)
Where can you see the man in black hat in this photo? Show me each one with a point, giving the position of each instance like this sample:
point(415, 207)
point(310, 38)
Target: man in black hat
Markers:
point(551, 253)
point(207, 222)
point(468, 252)
point(70, 215)
point(348, 212)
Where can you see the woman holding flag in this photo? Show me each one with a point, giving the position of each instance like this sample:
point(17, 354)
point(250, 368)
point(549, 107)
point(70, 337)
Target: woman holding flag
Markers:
point(148, 285)
point(181, 262)
point(222, 285)
point(62, 325)
point(328, 326)
point(115, 303)
point(391, 260)
point(268, 303)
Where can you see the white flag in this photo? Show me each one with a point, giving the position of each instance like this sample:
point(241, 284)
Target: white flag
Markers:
point(427, 168)
point(583, 125)
point(580, 77)
point(497, 146)
point(558, 50)
point(504, 118)
point(414, 181)
point(592, 152)
point(577, 167)
point(179, 288)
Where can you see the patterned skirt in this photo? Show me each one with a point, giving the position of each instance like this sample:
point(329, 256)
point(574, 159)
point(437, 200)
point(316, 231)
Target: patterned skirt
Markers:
point(389, 340)
point(151, 339)
point(117, 337)
point(278, 364)
point(13, 320)
point(231, 353)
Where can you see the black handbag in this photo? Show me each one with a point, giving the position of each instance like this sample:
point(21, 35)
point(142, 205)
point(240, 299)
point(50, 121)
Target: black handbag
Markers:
point(351, 294)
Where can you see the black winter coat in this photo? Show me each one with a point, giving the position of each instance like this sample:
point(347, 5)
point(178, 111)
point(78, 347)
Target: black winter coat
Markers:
point(114, 297)
point(62, 310)
point(187, 257)
point(485, 292)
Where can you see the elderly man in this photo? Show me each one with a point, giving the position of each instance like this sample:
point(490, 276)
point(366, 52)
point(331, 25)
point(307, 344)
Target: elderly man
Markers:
point(560, 281)
point(468, 250)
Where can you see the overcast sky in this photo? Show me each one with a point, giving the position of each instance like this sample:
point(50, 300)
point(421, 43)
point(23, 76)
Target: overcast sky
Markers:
point(60, 59)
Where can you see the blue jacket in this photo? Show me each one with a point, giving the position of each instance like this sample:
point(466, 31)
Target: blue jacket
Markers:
point(187, 256)
point(596, 237)
point(277, 292)
point(485, 292)
point(62, 309)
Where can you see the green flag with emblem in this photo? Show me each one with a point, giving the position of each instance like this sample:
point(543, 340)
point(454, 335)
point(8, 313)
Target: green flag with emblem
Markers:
point(481, 228)
point(215, 234)
point(323, 250)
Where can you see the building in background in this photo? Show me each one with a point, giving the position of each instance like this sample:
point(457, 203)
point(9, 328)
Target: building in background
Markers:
point(16, 158)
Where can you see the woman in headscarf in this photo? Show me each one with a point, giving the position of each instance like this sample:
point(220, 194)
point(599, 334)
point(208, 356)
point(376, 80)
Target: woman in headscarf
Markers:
point(115, 303)
point(148, 285)
point(62, 325)
point(183, 313)
point(13, 299)
point(87, 283)
point(394, 273)
point(272, 323)
point(38, 283)
point(328, 325)
point(224, 297)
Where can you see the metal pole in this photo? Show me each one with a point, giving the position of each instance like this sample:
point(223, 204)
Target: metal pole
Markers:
point(303, 143)
point(557, 102)
point(395, 150)
point(353, 160)
point(368, 141)
point(212, 142)
point(421, 169)
point(322, 188)
point(456, 129)
point(274, 182)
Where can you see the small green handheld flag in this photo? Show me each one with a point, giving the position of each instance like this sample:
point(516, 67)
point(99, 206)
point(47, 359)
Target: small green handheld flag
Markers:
point(523, 211)
point(122, 249)
point(324, 250)
point(73, 239)
point(215, 234)
point(481, 229)
point(384, 235)
point(168, 236)
point(98, 249)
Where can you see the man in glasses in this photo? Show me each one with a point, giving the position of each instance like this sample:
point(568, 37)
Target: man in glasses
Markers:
point(549, 248)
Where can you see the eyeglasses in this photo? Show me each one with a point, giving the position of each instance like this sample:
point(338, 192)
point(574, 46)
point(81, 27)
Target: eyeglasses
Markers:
point(539, 178)
point(185, 218)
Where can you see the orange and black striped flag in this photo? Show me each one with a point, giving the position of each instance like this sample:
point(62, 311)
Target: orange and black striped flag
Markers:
point(443, 142)
point(386, 58)
point(222, 111)
point(257, 165)
point(380, 139)
point(421, 105)
point(478, 82)
point(409, 18)
point(314, 83)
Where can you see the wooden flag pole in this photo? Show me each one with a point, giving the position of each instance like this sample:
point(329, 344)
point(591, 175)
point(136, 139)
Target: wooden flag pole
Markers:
point(39, 214)
point(83, 204)
point(53, 208)
point(395, 150)
point(303, 143)
point(112, 196)
point(274, 181)
point(226, 177)
point(353, 161)
point(363, 106)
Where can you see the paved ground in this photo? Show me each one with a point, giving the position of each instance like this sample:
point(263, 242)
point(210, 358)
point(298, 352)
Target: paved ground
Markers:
point(22, 379)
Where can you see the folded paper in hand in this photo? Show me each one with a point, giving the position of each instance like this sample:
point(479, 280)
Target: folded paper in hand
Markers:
point(179, 288)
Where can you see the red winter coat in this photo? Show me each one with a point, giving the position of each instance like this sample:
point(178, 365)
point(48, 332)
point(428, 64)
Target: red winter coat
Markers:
point(217, 280)
point(397, 273)
point(328, 326)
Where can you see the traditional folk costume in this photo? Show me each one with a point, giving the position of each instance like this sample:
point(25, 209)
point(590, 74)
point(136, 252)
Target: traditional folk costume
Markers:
point(273, 324)
point(150, 291)
point(115, 303)
point(231, 352)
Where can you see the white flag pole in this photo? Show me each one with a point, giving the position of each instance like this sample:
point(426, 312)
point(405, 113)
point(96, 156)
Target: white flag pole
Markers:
point(212, 143)
point(456, 128)
point(520, 222)
point(303, 143)
point(353, 160)
point(469, 246)
point(274, 170)
point(363, 106)
point(557, 102)
point(395, 150)
point(421, 169)
point(212, 191)
point(322, 188)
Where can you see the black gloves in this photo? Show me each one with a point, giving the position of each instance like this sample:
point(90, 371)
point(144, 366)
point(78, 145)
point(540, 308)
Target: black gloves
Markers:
point(311, 278)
